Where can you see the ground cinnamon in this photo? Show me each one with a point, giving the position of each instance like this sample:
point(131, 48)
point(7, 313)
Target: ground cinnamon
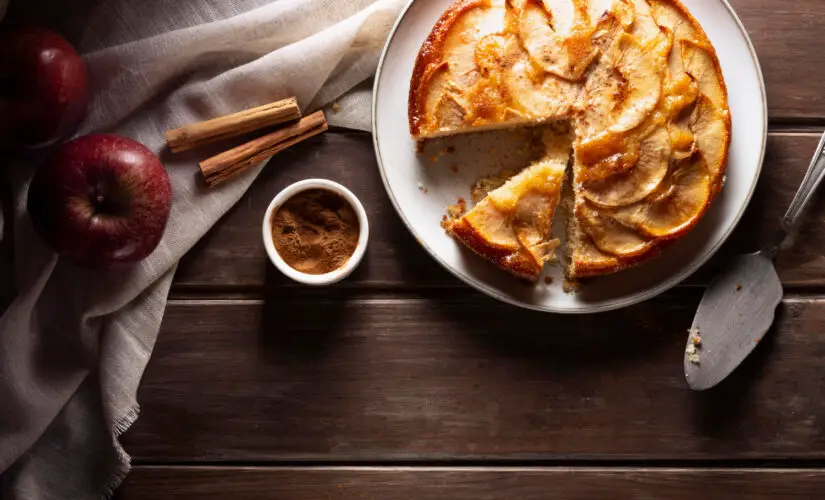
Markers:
point(316, 231)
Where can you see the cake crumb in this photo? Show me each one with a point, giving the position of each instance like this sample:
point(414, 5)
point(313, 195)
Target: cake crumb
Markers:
point(336, 107)
point(450, 149)
point(423, 188)
point(548, 280)
point(570, 286)
point(454, 168)
point(462, 205)
point(738, 286)
point(454, 212)
point(694, 344)
point(695, 336)
point(433, 159)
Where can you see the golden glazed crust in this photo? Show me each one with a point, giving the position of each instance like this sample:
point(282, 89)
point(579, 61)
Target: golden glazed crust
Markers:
point(518, 263)
point(430, 59)
point(641, 86)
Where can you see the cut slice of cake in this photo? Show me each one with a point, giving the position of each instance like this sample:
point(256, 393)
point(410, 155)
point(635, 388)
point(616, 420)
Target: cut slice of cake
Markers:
point(512, 226)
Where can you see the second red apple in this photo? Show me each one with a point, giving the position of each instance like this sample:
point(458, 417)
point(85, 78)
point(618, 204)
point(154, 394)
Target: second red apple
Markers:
point(43, 87)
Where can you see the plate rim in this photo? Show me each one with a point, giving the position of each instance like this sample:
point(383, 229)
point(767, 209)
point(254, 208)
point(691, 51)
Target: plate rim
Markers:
point(675, 280)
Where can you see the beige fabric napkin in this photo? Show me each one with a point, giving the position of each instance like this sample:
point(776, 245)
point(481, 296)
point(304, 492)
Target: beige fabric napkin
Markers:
point(74, 343)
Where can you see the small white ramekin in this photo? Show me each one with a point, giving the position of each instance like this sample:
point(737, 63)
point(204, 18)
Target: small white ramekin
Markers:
point(316, 279)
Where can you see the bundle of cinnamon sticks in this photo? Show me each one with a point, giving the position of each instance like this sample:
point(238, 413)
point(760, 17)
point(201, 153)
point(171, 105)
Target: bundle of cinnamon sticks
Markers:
point(226, 165)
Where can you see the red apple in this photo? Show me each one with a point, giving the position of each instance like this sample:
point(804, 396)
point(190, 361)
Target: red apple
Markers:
point(101, 200)
point(43, 87)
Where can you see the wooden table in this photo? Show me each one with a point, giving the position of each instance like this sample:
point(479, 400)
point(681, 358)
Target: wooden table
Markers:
point(404, 383)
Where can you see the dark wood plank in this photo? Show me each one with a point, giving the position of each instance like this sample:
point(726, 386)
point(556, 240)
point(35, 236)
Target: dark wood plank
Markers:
point(463, 377)
point(160, 483)
point(233, 255)
point(786, 34)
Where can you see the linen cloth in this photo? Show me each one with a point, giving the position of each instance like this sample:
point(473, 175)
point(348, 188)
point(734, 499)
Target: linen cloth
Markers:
point(74, 343)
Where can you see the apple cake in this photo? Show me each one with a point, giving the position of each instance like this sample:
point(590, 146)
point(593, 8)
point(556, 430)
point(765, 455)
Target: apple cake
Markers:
point(640, 86)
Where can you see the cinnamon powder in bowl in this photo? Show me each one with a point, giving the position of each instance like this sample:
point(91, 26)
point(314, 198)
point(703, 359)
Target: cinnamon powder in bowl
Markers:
point(315, 232)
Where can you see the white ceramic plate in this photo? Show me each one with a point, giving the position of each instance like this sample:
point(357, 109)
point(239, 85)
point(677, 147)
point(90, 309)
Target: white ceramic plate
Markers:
point(422, 186)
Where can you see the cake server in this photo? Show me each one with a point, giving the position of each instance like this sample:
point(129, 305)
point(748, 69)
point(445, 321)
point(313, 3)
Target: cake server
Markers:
point(739, 305)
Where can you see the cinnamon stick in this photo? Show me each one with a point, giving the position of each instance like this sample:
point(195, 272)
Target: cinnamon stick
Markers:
point(199, 134)
point(230, 163)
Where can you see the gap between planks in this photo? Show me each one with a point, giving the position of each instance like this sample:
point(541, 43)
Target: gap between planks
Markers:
point(485, 468)
point(813, 126)
point(394, 296)
point(481, 464)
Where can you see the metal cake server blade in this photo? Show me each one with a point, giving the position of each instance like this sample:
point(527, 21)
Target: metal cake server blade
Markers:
point(739, 305)
point(736, 311)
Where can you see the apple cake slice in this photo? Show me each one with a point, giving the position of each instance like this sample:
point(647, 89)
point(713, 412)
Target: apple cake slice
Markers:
point(512, 226)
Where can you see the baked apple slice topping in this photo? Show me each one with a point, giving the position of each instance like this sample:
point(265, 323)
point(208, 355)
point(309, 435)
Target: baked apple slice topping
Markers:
point(540, 96)
point(711, 128)
point(667, 16)
point(450, 112)
point(609, 235)
point(682, 140)
point(676, 206)
point(564, 54)
point(642, 85)
point(637, 183)
point(644, 26)
point(700, 63)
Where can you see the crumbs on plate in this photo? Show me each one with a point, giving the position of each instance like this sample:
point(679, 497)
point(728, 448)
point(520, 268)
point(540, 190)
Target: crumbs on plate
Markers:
point(694, 345)
point(454, 212)
point(570, 286)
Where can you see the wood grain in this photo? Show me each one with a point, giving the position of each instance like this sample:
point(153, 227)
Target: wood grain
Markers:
point(232, 254)
point(161, 483)
point(790, 52)
point(460, 376)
